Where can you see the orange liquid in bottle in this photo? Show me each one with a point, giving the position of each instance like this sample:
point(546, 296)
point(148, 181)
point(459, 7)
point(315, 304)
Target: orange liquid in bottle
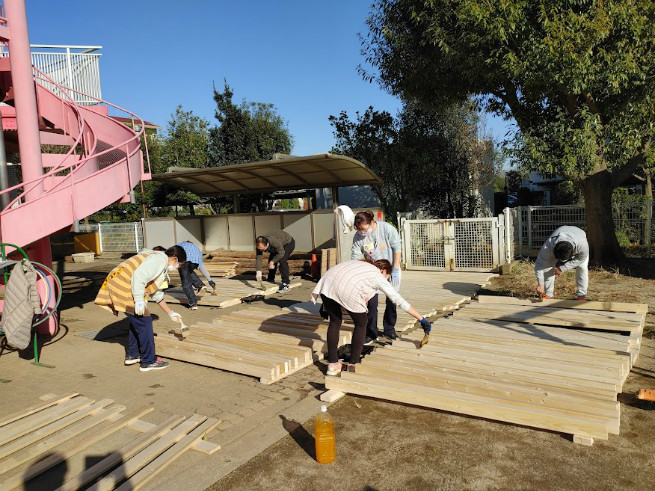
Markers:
point(324, 437)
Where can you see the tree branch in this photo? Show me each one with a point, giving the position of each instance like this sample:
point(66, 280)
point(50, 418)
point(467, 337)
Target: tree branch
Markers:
point(591, 103)
point(620, 174)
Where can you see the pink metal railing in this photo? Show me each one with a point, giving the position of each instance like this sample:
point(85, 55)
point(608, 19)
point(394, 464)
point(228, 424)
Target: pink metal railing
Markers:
point(79, 140)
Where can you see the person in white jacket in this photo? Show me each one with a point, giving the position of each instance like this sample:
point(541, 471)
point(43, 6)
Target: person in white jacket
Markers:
point(566, 249)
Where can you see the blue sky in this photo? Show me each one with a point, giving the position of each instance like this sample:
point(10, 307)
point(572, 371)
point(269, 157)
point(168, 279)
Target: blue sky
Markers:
point(300, 55)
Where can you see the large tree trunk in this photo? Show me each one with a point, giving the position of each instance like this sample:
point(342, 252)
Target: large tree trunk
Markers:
point(597, 191)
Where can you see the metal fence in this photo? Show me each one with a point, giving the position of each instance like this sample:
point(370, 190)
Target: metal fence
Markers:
point(121, 237)
point(76, 67)
point(462, 244)
point(534, 224)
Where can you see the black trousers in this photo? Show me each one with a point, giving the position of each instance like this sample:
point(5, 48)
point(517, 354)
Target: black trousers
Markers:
point(388, 321)
point(333, 310)
point(189, 280)
point(284, 264)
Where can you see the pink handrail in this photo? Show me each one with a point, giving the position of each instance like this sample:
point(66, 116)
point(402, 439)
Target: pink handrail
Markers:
point(60, 168)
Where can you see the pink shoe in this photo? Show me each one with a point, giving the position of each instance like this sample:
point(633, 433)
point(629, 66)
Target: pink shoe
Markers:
point(334, 368)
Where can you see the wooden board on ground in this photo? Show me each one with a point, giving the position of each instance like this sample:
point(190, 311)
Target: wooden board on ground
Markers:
point(495, 360)
point(75, 424)
point(259, 342)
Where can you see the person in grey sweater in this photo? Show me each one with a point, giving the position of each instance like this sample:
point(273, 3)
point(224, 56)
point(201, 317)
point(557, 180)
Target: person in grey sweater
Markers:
point(566, 249)
point(373, 241)
point(279, 245)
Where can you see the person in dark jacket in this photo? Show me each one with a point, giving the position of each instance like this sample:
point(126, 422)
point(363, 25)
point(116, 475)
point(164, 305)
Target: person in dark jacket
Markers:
point(279, 245)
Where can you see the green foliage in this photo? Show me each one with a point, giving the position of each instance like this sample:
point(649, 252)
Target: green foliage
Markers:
point(247, 132)
point(426, 158)
point(576, 76)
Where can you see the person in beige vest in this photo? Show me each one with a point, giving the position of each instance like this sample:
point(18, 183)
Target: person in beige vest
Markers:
point(127, 288)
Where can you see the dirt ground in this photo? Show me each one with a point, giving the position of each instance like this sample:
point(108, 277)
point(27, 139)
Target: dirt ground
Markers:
point(382, 445)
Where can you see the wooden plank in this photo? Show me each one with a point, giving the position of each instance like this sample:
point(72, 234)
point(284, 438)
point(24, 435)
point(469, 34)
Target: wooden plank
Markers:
point(169, 350)
point(160, 463)
point(142, 458)
point(501, 391)
point(468, 404)
point(35, 409)
point(331, 396)
point(136, 445)
point(22, 456)
point(202, 446)
point(638, 308)
point(31, 423)
point(71, 448)
point(49, 429)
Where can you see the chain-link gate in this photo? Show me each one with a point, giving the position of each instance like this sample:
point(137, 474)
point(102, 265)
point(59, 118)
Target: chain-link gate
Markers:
point(463, 244)
point(121, 237)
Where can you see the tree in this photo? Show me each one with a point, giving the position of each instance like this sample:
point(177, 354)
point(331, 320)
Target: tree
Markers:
point(425, 158)
point(576, 76)
point(249, 132)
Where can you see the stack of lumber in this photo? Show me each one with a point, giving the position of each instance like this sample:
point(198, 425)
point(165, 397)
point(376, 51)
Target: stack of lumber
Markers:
point(328, 259)
point(259, 342)
point(228, 292)
point(557, 365)
point(246, 261)
point(216, 269)
point(433, 292)
point(72, 429)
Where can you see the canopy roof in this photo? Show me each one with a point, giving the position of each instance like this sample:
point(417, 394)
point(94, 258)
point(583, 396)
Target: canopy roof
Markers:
point(288, 172)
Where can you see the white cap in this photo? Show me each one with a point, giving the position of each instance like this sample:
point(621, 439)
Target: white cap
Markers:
point(323, 408)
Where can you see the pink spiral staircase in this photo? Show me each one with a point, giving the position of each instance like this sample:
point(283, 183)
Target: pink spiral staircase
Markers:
point(75, 160)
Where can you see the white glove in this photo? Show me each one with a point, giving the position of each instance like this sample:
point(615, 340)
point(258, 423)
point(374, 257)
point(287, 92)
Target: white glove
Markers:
point(395, 277)
point(175, 316)
point(139, 307)
point(259, 276)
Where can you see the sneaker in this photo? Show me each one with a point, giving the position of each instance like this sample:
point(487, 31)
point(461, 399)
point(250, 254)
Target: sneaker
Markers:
point(393, 336)
point(284, 288)
point(131, 360)
point(158, 364)
point(193, 306)
point(547, 297)
point(199, 289)
point(334, 368)
point(369, 341)
point(581, 299)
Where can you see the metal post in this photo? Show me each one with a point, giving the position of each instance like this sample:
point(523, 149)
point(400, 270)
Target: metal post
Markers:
point(100, 236)
point(4, 174)
point(335, 198)
point(70, 70)
point(27, 119)
point(529, 229)
point(649, 221)
point(235, 203)
point(136, 237)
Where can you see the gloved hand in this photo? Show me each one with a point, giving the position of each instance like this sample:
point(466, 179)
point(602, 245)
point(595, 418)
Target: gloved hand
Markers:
point(212, 284)
point(175, 316)
point(259, 276)
point(139, 307)
point(426, 325)
point(395, 276)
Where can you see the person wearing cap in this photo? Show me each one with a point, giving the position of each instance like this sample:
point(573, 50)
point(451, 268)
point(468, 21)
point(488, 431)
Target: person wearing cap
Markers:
point(376, 240)
point(350, 285)
point(279, 246)
point(566, 249)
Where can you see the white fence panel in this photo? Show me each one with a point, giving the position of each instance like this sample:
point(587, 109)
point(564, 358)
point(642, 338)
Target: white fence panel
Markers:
point(121, 237)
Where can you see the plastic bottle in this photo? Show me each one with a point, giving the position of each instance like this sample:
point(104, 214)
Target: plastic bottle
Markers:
point(324, 437)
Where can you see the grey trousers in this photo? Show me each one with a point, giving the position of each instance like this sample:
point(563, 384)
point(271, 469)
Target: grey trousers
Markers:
point(581, 279)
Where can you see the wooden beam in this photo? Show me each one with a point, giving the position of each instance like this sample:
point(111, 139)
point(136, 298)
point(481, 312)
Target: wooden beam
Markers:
point(638, 308)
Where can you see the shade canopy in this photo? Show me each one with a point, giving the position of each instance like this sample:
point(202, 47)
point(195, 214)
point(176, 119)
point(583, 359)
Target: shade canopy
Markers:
point(315, 171)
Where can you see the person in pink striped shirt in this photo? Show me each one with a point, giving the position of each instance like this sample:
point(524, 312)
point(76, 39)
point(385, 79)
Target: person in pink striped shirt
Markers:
point(350, 285)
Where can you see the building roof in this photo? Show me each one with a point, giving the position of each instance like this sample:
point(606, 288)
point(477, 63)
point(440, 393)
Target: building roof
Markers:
point(284, 172)
point(128, 121)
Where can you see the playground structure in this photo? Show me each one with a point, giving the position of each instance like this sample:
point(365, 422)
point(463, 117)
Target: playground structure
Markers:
point(74, 159)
